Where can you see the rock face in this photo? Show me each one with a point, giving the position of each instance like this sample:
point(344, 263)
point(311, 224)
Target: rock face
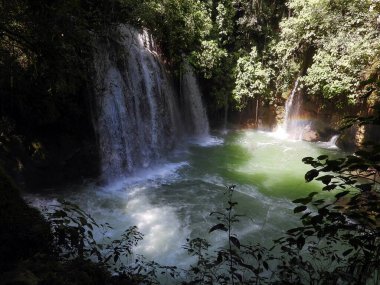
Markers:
point(310, 136)
point(355, 137)
point(318, 130)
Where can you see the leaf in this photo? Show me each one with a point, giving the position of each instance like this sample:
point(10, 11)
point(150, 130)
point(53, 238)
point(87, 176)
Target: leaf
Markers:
point(307, 160)
point(265, 264)
point(235, 241)
point(318, 202)
point(326, 179)
point(300, 242)
point(311, 174)
point(347, 252)
point(303, 201)
point(292, 231)
point(238, 276)
point(322, 157)
point(299, 209)
point(312, 194)
point(308, 232)
point(220, 227)
point(363, 153)
point(329, 187)
point(365, 187)
point(83, 221)
point(341, 194)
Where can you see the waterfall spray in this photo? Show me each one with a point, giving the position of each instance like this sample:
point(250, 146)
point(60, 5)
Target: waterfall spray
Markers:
point(290, 127)
point(290, 111)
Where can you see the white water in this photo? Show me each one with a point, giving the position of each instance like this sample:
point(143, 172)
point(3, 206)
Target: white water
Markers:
point(136, 113)
point(331, 144)
point(172, 201)
point(290, 110)
point(291, 128)
point(195, 112)
point(138, 122)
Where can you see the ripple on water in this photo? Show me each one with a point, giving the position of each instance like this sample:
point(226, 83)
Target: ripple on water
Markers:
point(172, 201)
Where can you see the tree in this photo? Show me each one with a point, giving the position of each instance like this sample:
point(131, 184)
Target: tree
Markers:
point(332, 43)
point(252, 79)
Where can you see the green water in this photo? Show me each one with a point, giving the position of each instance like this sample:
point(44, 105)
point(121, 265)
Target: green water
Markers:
point(172, 201)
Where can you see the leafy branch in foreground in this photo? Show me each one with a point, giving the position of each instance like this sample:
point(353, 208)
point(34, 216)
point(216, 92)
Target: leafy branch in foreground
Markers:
point(74, 234)
point(340, 239)
point(236, 263)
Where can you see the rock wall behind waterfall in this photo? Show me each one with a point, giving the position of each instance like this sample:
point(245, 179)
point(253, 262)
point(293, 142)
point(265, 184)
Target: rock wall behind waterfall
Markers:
point(136, 111)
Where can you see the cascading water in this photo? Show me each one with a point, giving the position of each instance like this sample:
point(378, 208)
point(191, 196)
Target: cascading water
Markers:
point(331, 144)
point(291, 126)
point(136, 113)
point(290, 110)
point(195, 114)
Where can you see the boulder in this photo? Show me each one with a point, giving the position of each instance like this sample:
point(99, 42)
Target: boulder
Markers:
point(310, 136)
point(317, 131)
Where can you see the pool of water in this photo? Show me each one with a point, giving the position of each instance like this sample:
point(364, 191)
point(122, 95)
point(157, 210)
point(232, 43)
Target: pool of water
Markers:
point(173, 200)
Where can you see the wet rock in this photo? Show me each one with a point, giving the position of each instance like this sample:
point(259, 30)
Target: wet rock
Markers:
point(355, 137)
point(317, 131)
point(310, 136)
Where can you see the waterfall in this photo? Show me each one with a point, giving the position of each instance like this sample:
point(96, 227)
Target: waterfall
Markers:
point(136, 114)
point(292, 126)
point(290, 110)
point(331, 144)
point(333, 140)
point(195, 114)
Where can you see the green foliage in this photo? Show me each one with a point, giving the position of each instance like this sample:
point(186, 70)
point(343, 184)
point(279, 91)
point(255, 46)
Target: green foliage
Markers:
point(73, 231)
point(77, 236)
point(338, 64)
point(332, 43)
point(237, 28)
point(252, 78)
point(209, 58)
point(236, 263)
point(342, 234)
point(180, 26)
point(257, 22)
point(44, 58)
point(225, 21)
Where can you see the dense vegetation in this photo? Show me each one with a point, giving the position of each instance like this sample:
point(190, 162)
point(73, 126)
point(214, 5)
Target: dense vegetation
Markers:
point(243, 50)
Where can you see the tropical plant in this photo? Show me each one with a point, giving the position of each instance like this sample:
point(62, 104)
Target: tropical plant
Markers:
point(235, 263)
point(252, 79)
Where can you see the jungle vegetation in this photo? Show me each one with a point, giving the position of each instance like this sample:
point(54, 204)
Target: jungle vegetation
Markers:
point(242, 49)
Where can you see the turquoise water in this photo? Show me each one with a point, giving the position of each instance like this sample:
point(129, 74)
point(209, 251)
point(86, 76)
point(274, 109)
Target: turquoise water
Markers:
point(172, 201)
